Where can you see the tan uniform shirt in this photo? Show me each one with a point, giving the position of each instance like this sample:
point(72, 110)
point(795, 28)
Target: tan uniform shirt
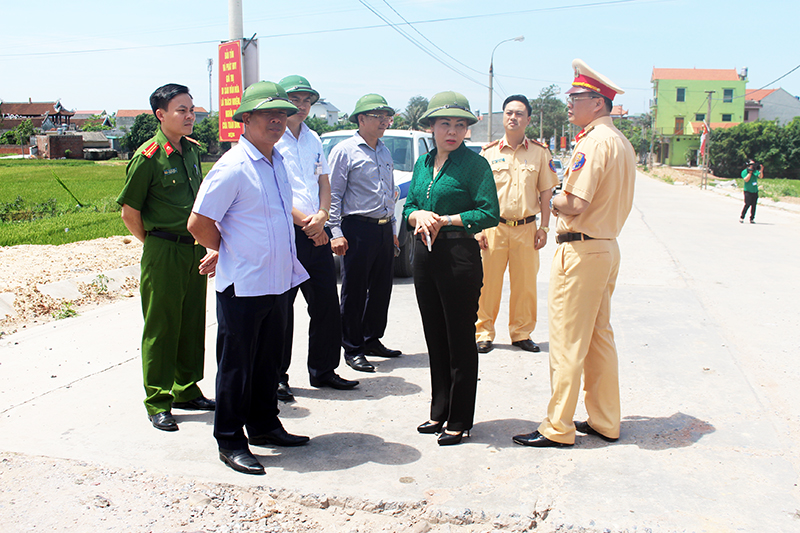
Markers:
point(602, 171)
point(520, 175)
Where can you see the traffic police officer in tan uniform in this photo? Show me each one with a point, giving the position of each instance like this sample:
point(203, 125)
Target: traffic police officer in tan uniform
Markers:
point(594, 203)
point(525, 176)
point(163, 178)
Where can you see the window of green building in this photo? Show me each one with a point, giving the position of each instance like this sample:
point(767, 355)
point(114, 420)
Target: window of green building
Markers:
point(726, 118)
point(727, 96)
point(681, 94)
point(699, 117)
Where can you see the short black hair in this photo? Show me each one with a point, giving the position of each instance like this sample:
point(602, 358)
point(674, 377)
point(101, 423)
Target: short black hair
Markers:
point(609, 104)
point(519, 98)
point(162, 96)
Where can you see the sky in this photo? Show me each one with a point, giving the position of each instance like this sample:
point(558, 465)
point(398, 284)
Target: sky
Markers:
point(109, 55)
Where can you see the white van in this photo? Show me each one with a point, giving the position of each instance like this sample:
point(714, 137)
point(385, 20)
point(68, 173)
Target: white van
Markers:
point(405, 146)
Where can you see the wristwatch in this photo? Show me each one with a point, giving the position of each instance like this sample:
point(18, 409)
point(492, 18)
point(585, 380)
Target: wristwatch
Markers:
point(544, 228)
point(449, 220)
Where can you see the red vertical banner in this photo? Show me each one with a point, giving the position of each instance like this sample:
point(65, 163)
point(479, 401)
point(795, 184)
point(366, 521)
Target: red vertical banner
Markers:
point(563, 143)
point(230, 90)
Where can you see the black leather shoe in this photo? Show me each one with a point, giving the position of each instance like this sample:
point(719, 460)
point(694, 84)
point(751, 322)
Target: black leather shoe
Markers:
point(359, 362)
point(485, 346)
point(278, 437)
point(163, 421)
point(527, 345)
point(430, 427)
point(448, 439)
point(334, 381)
point(584, 427)
point(242, 461)
point(377, 348)
point(201, 403)
point(284, 392)
point(538, 440)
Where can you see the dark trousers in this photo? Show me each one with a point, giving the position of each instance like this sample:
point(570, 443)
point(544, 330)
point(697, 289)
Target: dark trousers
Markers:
point(320, 292)
point(250, 336)
point(448, 283)
point(750, 201)
point(367, 271)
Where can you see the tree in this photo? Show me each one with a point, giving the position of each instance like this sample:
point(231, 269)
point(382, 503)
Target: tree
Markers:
point(409, 119)
point(551, 110)
point(20, 135)
point(144, 127)
point(320, 125)
point(207, 133)
point(95, 123)
point(774, 146)
point(634, 129)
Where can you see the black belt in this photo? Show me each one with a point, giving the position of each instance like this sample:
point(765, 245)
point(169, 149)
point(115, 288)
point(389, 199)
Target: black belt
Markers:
point(371, 220)
point(172, 237)
point(457, 234)
point(513, 223)
point(569, 237)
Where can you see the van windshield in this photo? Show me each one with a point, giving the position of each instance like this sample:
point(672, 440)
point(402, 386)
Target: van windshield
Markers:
point(401, 148)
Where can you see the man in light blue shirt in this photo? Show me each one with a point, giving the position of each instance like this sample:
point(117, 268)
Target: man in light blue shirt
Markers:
point(362, 228)
point(308, 174)
point(244, 210)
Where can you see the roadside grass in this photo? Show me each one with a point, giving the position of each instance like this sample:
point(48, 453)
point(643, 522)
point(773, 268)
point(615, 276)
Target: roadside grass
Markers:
point(36, 209)
point(775, 188)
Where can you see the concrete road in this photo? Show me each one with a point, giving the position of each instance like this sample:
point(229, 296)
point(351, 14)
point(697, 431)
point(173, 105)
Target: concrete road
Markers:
point(708, 331)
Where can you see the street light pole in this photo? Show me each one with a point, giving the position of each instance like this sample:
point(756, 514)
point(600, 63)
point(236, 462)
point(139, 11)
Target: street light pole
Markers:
point(491, 81)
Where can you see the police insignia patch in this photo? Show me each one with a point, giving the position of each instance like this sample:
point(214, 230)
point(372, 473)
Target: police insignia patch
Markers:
point(552, 166)
point(580, 160)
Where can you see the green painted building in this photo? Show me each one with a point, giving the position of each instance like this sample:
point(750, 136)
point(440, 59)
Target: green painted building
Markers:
point(680, 105)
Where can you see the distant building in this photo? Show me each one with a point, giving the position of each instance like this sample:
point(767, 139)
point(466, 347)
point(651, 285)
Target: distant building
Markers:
point(41, 114)
point(618, 112)
point(680, 105)
point(126, 117)
point(326, 111)
point(481, 128)
point(771, 104)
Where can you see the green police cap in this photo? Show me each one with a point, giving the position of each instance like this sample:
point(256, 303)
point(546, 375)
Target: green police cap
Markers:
point(370, 102)
point(298, 84)
point(264, 95)
point(448, 104)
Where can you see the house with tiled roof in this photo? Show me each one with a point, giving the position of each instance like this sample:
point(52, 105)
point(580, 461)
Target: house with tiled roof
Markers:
point(125, 117)
point(618, 112)
point(771, 104)
point(680, 106)
point(41, 114)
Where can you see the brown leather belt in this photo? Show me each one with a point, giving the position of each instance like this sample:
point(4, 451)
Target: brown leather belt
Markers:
point(569, 237)
point(513, 223)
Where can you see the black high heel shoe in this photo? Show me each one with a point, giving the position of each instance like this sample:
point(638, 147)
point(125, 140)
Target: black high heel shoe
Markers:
point(448, 439)
point(431, 427)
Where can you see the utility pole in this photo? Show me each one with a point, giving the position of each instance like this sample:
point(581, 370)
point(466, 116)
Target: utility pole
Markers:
point(210, 98)
point(541, 122)
point(706, 153)
point(491, 82)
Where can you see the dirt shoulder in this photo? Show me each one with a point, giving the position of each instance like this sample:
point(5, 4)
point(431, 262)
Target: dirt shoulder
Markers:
point(25, 268)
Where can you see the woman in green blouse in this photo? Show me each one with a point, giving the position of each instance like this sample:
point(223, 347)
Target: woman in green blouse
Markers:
point(452, 197)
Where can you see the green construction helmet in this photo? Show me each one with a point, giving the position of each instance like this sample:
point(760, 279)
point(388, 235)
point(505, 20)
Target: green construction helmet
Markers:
point(370, 102)
point(448, 104)
point(298, 84)
point(264, 95)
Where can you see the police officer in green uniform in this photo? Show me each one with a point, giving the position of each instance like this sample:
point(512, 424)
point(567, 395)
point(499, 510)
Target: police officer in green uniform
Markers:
point(162, 181)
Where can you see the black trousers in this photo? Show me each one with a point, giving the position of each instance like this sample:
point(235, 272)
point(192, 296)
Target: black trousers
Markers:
point(750, 201)
point(249, 329)
point(367, 272)
point(322, 297)
point(448, 283)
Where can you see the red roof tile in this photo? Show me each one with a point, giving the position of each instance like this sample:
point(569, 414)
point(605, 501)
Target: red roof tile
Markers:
point(758, 94)
point(617, 111)
point(704, 74)
point(34, 109)
point(133, 112)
